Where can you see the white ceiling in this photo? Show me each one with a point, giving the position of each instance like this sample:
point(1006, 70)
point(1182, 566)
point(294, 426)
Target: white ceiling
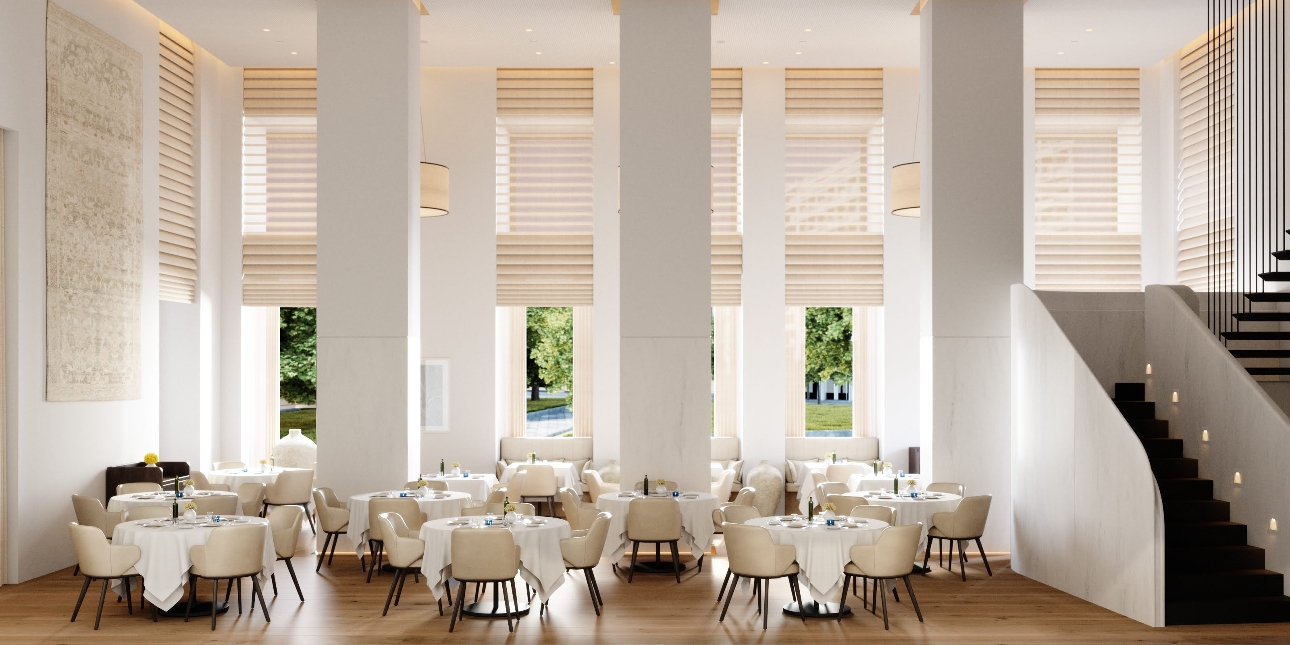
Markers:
point(746, 33)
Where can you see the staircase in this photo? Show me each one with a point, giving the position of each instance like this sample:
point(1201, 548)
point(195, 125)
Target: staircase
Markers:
point(1211, 575)
point(1267, 362)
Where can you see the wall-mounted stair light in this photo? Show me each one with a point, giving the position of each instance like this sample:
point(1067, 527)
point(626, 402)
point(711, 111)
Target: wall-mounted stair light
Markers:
point(1273, 525)
point(1237, 479)
point(1148, 369)
point(1175, 397)
point(1204, 435)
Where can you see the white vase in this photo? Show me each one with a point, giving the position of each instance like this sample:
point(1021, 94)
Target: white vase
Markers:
point(189, 490)
point(609, 473)
point(768, 481)
point(886, 471)
point(456, 471)
point(828, 515)
point(661, 490)
point(512, 517)
point(190, 515)
point(295, 451)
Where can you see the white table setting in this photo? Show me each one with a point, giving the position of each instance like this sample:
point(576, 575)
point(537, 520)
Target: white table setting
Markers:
point(435, 504)
point(814, 475)
point(477, 486)
point(912, 510)
point(541, 562)
point(822, 553)
point(883, 482)
point(565, 475)
point(234, 477)
point(696, 521)
point(164, 560)
point(164, 498)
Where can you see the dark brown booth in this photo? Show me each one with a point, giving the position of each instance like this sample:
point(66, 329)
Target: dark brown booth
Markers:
point(164, 474)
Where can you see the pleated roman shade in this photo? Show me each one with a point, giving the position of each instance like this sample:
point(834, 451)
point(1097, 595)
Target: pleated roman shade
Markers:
point(280, 187)
point(727, 186)
point(833, 187)
point(1088, 180)
point(544, 187)
point(1198, 238)
point(177, 181)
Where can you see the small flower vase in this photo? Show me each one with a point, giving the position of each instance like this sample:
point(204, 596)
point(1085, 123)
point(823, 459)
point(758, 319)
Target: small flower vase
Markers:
point(456, 471)
point(152, 465)
point(190, 515)
point(189, 490)
point(886, 471)
point(661, 490)
point(423, 491)
point(512, 517)
point(828, 515)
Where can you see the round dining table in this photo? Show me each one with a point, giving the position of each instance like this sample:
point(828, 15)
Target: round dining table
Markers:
point(477, 486)
point(696, 522)
point(435, 505)
point(912, 510)
point(541, 561)
point(164, 498)
point(822, 553)
point(164, 553)
point(862, 482)
point(234, 477)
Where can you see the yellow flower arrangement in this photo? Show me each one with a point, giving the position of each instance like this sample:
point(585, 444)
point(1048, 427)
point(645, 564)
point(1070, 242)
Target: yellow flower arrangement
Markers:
point(456, 465)
point(421, 483)
point(886, 464)
point(186, 483)
point(508, 507)
point(151, 459)
point(190, 506)
point(264, 462)
point(829, 506)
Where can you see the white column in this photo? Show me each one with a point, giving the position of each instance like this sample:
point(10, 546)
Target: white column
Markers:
point(369, 244)
point(765, 339)
point(583, 376)
point(794, 351)
point(972, 212)
point(666, 56)
point(1159, 173)
point(607, 337)
point(725, 377)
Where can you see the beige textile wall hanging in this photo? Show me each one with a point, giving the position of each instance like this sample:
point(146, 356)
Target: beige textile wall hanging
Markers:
point(93, 213)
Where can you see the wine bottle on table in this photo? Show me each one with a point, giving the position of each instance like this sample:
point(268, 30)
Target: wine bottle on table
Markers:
point(810, 508)
point(441, 468)
point(645, 486)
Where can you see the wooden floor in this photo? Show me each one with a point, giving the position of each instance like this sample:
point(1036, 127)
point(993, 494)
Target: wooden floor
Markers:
point(341, 608)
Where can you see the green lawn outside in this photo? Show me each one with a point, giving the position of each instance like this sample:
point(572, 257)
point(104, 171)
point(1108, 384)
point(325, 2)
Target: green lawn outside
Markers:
point(544, 404)
point(828, 417)
point(306, 420)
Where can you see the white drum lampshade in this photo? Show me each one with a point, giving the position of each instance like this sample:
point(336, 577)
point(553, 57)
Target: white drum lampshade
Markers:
point(906, 184)
point(434, 189)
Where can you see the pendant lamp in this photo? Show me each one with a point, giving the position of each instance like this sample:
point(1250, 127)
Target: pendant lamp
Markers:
point(434, 189)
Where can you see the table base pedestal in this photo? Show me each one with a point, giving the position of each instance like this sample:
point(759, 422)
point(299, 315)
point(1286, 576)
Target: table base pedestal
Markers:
point(491, 609)
point(200, 608)
point(818, 610)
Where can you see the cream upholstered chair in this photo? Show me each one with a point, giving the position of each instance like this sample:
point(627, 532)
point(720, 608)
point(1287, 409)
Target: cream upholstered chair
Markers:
point(431, 484)
point(90, 512)
point(146, 512)
point(100, 560)
point(885, 560)
point(482, 556)
point(734, 514)
point(875, 512)
point(405, 550)
point(539, 483)
point(251, 497)
point(578, 515)
point(138, 487)
point(947, 487)
point(228, 465)
point(469, 511)
point(753, 554)
point(496, 497)
point(334, 518)
point(654, 520)
point(582, 552)
point(844, 503)
point(291, 488)
point(596, 485)
point(823, 490)
point(840, 473)
point(499, 508)
point(201, 483)
point(745, 496)
point(967, 522)
point(231, 553)
point(285, 524)
point(407, 507)
point(721, 487)
point(217, 504)
point(653, 484)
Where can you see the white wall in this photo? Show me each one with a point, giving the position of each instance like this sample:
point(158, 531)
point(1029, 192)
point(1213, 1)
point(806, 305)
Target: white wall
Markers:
point(1107, 329)
point(180, 384)
point(1159, 173)
point(606, 336)
point(458, 261)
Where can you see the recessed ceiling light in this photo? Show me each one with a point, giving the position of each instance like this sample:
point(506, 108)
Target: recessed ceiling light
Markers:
point(611, 62)
point(293, 53)
point(266, 29)
point(798, 53)
point(539, 53)
point(721, 42)
point(1060, 53)
point(765, 62)
point(1088, 30)
point(807, 29)
point(528, 30)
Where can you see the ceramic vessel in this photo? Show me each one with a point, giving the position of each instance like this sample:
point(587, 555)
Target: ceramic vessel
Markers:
point(456, 472)
point(189, 490)
point(769, 484)
point(609, 472)
point(295, 451)
point(190, 515)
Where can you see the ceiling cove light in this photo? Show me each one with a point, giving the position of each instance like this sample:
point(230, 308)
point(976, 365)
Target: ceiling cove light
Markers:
point(1060, 53)
point(765, 62)
point(266, 29)
point(798, 53)
point(293, 53)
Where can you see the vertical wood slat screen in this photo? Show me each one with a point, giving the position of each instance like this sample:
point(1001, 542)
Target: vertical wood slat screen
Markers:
point(833, 187)
point(727, 186)
point(279, 187)
point(544, 187)
point(1088, 180)
point(177, 181)
point(1196, 144)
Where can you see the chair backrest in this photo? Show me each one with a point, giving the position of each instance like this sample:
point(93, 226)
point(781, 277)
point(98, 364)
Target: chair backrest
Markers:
point(199, 480)
point(654, 519)
point(842, 472)
point(498, 508)
point(596, 485)
point(401, 546)
point(845, 503)
point(515, 487)
point(875, 512)
point(539, 481)
point(889, 557)
point(738, 514)
point(480, 555)
point(291, 487)
point(825, 489)
point(217, 504)
point(232, 551)
point(653, 484)
point(586, 551)
point(90, 512)
point(407, 507)
point(329, 497)
point(138, 487)
point(745, 496)
point(570, 501)
point(946, 487)
point(333, 519)
point(721, 488)
point(970, 517)
point(468, 511)
point(147, 512)
point(228, 465)
point(752, 552)
point(96, 556)
point(251, 497)
point(497, 497)
point(285, 523)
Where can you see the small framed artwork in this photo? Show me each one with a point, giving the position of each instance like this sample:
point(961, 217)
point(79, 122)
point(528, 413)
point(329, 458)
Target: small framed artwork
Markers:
point(434, 394)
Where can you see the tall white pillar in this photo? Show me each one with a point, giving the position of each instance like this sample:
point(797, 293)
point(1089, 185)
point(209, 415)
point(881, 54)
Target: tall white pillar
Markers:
point(369, 244)
point(972, 212)
point(606, 338)
point(665, 248)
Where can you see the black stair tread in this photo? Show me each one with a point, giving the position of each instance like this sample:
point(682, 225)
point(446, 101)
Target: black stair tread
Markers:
point(1268, 371)
point(1162, 447)
point(1193, 488)
point(1223, 584)
point(1150, 428)
point(1262, 316)
point(1256, 335)
point(1130, 391)
point(1275, 276)
point(1268, 296)
point(1196, 510)
point(1281, 255)
point(1213, 558)
point(1260, 353)
point(1137, 409)
point(1167, 468)
point(1200, 534)
point(1217, 611)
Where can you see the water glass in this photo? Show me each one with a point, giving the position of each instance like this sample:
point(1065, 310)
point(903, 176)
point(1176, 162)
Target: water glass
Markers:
point(488, 521)
point(676, 493)
point(829, 522)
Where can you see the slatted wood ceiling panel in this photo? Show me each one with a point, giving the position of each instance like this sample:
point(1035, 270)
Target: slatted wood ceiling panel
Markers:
point(1088, 180)
point(177, 181)
point(727, 187)
point(1197, 91)
point(280, 187)
point(833, 187)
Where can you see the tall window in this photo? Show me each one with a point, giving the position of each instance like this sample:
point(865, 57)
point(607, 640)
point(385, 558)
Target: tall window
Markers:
point(1196, 144)
point(549, 372)
point(177, 253)
point(1088, 180)
point(727, 247)
point(829, 372)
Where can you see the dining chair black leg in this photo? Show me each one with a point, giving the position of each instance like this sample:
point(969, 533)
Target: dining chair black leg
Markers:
point(332, 556)
point(439, 601)
point(797, 591)
point(910, 588)
point(192, 591)
point(596, 585)
point(403, 578)
point(214, 595)
point(129, 600)
point(723, 585)
point(632, 571)
point(962, 562)
point(102, 596)
point(517, 603)
point(894, 594)
point(676, 561)
point(323, 553)
point(927, 554)
point(506, 598)
point(765, 606)
point(390, 596)
point(292, 571)
point(257, 590)
point(701, 562)
point(726, 606)
point(371, 548)
point(273, 580)
point(477, 590)
point(587, 574)
point(885, 624)
point(309, 517)
point(940, 552)
point(456, 606)
point(873, 605)
point(85, 587)
point(865, 601)
point(983, 559)
point(76, 571)
point(841, 603)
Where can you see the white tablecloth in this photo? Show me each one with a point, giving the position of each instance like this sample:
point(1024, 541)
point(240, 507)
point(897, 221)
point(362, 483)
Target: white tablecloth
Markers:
point(912, 511)
point(164, 561)
point(696, 522)
point(541, 564)
point(859, 482)
point(236, 476)
point(565, 475)
point(477, 486)
point(449, 505)
point(123, 502)
point(822, 552)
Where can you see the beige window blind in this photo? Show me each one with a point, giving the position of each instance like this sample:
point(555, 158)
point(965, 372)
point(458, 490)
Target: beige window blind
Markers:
point(544, 187)
point(177, 181)
point(833, 187)
point(727, 186)
point(1088, 180)
point(279, 187)
point(1198, 238)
